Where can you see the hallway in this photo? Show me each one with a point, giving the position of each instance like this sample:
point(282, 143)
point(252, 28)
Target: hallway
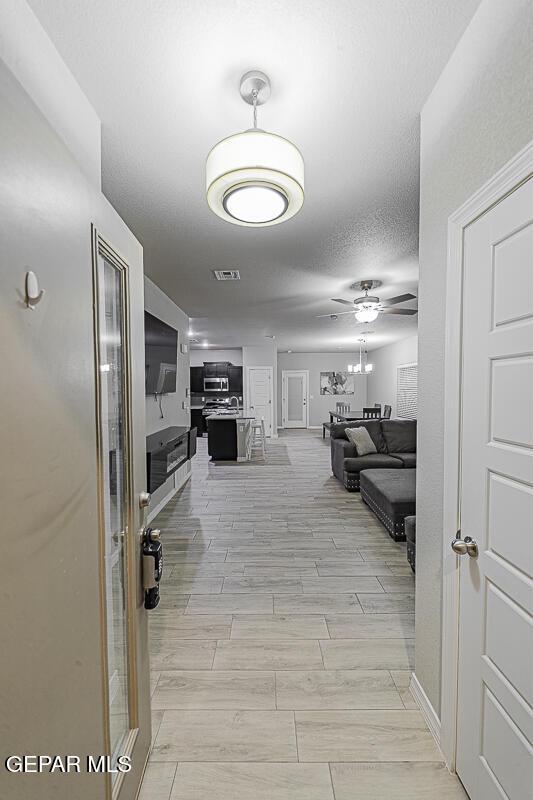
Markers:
point(282, 648)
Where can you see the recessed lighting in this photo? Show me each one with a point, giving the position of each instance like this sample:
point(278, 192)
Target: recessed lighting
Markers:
point(205, 344)
point(289, 351)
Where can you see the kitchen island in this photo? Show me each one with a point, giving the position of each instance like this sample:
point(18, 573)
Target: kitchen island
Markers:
point(228, 436)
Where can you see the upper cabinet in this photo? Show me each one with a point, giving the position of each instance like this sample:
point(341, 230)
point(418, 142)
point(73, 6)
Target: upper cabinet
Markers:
point(235, 379)
point(216, 369)
point(197, 380)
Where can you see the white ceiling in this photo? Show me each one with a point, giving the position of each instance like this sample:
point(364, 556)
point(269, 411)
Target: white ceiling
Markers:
point(349, 78)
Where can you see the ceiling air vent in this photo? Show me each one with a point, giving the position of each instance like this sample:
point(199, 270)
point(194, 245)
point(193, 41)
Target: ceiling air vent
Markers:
point(227, 274)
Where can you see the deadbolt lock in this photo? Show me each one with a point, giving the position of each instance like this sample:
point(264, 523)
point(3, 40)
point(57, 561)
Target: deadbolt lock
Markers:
point(144, 499)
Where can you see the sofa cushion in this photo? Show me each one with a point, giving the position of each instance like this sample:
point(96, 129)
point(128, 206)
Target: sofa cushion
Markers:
point(373, 426)
point(399, 435)
point(362, 441)
point(407, 459)
point(372, 461)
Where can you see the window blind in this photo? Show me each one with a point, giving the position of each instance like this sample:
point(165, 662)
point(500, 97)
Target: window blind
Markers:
point(407, 391)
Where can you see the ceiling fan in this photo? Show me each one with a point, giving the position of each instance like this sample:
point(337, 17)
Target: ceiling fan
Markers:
point(367, 308)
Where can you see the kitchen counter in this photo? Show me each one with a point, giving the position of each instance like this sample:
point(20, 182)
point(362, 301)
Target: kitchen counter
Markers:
point(228, 415)
point(228, 436)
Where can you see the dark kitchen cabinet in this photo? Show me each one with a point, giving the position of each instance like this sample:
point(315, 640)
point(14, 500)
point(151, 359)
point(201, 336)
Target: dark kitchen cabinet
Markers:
point(235, 379)
point(222, 369)
point(197, 380)
point(198, 421)
point(210, 369)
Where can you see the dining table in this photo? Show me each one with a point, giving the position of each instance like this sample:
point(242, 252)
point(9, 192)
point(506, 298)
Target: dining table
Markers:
point(348, 417)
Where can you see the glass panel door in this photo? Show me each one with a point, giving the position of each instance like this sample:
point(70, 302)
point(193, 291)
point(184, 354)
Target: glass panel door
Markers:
point(115, 502)
point(295, 399)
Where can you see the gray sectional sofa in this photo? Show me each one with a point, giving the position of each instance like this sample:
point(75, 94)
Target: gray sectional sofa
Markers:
point(395, 441)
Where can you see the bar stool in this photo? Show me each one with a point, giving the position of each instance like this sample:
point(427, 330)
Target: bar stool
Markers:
point(258, 438)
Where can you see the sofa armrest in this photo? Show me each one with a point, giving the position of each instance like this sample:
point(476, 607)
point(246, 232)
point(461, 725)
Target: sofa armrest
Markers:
point(341, 449)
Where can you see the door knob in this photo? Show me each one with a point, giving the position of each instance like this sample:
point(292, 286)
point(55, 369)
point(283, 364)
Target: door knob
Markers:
point(466, 546)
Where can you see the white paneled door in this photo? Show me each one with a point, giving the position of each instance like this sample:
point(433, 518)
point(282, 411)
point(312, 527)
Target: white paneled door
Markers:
point(295, 398)
point(260, 395)
point(495, 690)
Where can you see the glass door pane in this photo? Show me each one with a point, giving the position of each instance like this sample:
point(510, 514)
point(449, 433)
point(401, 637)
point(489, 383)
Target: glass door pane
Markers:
point(295, 398)
point(115, 499)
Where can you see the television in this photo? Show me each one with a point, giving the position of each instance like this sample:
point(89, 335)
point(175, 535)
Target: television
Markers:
point(161, 355)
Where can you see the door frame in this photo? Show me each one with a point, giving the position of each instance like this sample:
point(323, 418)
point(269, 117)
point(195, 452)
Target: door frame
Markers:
point(284, 374)
point(503, 183)
point(101, 247)
point(273, 429)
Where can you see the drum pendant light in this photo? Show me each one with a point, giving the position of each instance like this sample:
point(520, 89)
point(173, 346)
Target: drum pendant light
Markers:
point(255, 178)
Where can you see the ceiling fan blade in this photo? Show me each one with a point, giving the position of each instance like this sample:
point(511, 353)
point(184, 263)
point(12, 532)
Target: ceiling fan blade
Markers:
point(335, 314)
point(340, 300)
point(402, 298)
point(404, 311)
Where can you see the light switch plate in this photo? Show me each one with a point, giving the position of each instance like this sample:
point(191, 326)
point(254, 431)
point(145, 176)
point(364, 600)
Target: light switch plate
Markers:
point(184, 348)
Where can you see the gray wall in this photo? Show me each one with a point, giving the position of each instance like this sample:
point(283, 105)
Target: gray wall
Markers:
point(319, 405)
point(381, 387)
point(161, 306)
point(479, 116)
point(233, 355)
point(51, 665)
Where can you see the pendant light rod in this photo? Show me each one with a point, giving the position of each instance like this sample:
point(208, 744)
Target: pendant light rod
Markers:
point(254, 94)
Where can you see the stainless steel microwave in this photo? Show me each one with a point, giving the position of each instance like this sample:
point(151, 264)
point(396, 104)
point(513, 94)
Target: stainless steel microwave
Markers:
point(216, 385)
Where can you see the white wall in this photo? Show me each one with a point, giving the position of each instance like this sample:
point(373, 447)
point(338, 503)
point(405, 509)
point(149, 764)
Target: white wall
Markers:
point(233, 355)
point(31, 56)
point(319, 405)
point(161, 306)
point(479, 116)
point(381, 386)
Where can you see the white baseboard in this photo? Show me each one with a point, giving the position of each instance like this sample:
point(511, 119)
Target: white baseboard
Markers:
point(314, 427)
point(153, 512)
point(428, 712)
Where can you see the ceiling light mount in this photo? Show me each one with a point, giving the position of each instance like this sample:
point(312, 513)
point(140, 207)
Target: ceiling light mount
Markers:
point(255, 178)
point(365, 286)
point(255, 87)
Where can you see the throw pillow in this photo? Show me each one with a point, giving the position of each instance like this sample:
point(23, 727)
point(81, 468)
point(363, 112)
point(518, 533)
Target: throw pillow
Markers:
point(360, 437)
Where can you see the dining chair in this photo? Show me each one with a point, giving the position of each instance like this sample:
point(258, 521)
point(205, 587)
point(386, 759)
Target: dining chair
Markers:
point(372, 413)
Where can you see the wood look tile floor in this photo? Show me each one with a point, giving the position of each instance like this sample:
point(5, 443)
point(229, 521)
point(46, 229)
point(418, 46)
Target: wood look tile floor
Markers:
point(282, 648)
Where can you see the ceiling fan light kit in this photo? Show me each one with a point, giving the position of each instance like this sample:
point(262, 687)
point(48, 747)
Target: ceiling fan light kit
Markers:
point(255, 178)
point(368, 308)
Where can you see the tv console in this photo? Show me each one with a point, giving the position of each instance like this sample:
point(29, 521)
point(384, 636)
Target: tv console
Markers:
point(166, 451)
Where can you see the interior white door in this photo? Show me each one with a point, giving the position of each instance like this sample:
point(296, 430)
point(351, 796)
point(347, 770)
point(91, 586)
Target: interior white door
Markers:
point(294, 398)
point(260, 395)
point(495, 691)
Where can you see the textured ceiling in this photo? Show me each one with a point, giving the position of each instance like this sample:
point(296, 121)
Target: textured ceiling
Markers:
point(349, 78)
